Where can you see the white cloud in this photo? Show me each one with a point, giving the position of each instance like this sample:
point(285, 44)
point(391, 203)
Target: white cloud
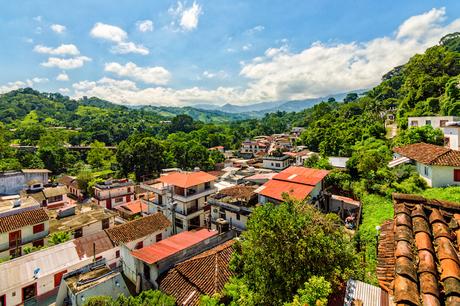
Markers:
point(64, 49)
point(186, 18)
point(38, 18)
point(64, 90)
point(129, 47)
point(256, 29)
point(66, 63)
point(145, 25)
point(151, 75)
point(21, 84)
point(58, 28)
point(108, 32)
point(62, 77)
point(246, 47)
point(221, 74)
point(119, 37)
point(281, 74)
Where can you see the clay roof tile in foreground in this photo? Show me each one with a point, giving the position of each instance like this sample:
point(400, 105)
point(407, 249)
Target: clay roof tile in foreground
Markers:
point(418, 259)
point(138, 228)
point(430, 154)
point(203, 274)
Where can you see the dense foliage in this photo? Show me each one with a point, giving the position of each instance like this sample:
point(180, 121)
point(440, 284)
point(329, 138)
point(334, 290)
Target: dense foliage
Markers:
point(146, 298)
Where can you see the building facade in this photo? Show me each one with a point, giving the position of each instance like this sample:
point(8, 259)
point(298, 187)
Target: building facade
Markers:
point(450, 126)
point(276, 163)
point(12, 182)
point(111, 194)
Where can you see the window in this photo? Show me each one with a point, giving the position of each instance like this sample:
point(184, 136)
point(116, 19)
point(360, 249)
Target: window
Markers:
point(139, 245)
point(15, 239)
point(29, 292)
point(179, 223)
point(15, 252)
point(119, 200)
point(457, 175)
point(237, 216)
point(105, 223)
point(158, 237)
point(442, 123)
point(207, 185)
point(38, 228)
point(38, 243)
point(428, 122)
point(3, 300)
point(55, 199)
point(277, 165)
point(117, 254)
point(78, 233)
point(414, 123)
point(129, 189)
point(425, 171)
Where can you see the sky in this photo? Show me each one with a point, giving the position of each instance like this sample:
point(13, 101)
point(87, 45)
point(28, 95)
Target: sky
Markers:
point(177, 53)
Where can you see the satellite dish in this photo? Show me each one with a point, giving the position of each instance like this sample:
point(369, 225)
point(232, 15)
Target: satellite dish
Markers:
point(36, 271)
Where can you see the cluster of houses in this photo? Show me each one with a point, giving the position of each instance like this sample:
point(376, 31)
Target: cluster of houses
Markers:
point(175, 233)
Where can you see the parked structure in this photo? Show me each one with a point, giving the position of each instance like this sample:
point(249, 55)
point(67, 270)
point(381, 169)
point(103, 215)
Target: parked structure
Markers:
point(113, 193)
point(438, 166)
point(297, 182)
point(95, 279)
point(12, 182)
point(234, 205)
point(182, 197)
point(417, 259)
point(203, 274)
point(23, 223)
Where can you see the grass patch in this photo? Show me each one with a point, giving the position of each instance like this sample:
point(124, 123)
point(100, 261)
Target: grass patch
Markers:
point(447, 193)
point(376, 210)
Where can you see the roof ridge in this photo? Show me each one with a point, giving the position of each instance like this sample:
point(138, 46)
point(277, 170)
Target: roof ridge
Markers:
point(449, 150)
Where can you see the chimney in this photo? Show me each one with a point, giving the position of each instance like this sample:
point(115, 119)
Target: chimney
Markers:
point(196, 169)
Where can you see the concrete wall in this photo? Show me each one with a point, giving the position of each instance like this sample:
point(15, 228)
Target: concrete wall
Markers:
point(275, 164)
point(14, 182)
point(435, 120)
point(107, 288)
point(437, 176)
point(452, 133)
point(27, 237)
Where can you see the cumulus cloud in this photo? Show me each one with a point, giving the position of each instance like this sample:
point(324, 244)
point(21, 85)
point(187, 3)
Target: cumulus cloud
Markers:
point(58, 28)
point(66, 63)
point(64, 49)
point(186, 18)
point(281, 74)
point(21, 84)
point(256, 29)
point(118, 36)
point(151, 75)
point(145, 25)
point(62, 77)
point(64, 90)
point(221, 74)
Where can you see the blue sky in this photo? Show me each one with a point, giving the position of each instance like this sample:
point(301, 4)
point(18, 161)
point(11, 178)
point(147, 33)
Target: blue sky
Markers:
point(215, 51)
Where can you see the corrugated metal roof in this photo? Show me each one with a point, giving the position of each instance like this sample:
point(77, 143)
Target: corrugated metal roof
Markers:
point(368, 294)
point(17, 272)
point(398, 161)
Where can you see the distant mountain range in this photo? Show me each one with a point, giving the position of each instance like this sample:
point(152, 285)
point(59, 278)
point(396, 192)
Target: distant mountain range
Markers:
point(259, 109)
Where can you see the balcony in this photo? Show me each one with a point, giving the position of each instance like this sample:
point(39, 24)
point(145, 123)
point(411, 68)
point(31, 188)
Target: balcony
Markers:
point(194, 196)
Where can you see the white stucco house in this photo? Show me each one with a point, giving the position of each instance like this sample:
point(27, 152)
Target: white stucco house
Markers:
point(450, 126)
point(438, 166)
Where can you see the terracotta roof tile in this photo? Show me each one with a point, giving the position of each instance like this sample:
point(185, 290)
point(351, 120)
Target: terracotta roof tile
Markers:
point(430, 154)
point(138, 228)
point(205, 273)
point(425, 259)
point(21, 219)
point(187, 179)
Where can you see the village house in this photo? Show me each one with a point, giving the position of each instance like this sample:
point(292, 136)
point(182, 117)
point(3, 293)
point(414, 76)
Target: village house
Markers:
point(182, 197)
point(297, 182)
point(95, 279)
point(250, 148)
point(203, 274)
point(221, 149)
point(81, 220)
point(145, 265)
point(131, 210)
point(298, 158)
point(438, 166)
point(23, 224)
point(234, 205)
point(450, 126)
point(276, 163)
point(418, 252)
point(113, 193)
point(12, 182)
point(72, 185)
point(34, 278)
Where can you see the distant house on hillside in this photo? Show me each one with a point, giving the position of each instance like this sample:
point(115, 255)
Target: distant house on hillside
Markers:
point(72, 185)
point(438, 166)
point(450, 125)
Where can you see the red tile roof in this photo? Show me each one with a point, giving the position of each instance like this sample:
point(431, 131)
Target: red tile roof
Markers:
point(203, 274)
point(418, 256)
point(187, 179)
point(85, 248)
point(22, 219)
point(274, 189)
point(170, 246)
point(297, 182)
point(430, 154)
point(302, 175)
point(134, 207)
point(138, 228)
